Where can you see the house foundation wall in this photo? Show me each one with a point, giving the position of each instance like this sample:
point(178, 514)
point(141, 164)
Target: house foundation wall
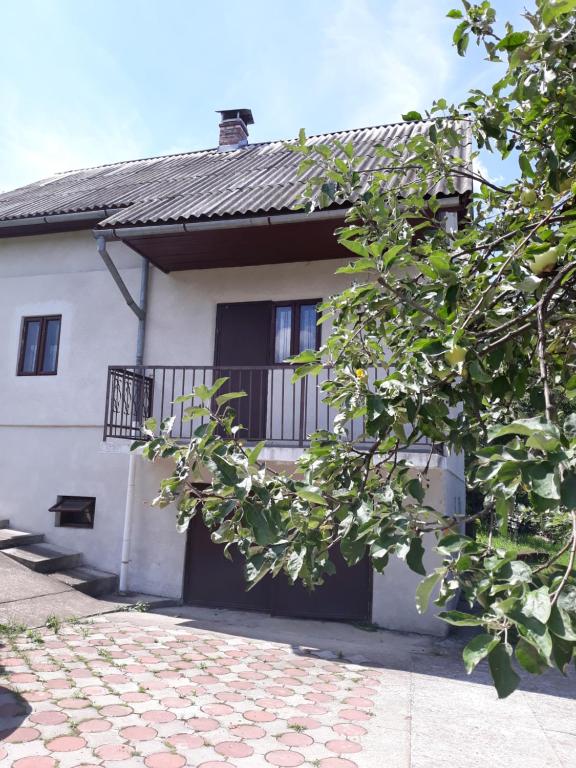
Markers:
point(40, 463)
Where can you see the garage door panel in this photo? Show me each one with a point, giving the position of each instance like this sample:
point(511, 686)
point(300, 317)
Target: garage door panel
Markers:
point(213, 580)
point(344, 596)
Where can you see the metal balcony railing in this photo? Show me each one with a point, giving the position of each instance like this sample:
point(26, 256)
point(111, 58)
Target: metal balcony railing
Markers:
point(275, 408)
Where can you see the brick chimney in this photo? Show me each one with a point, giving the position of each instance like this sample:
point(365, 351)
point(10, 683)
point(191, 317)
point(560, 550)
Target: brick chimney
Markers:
point(234, 128)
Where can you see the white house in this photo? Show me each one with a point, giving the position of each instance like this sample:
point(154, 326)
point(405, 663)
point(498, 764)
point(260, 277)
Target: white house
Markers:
point(121, 287)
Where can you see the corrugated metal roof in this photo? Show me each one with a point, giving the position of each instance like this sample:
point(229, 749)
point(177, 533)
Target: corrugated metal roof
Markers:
point(259, 178)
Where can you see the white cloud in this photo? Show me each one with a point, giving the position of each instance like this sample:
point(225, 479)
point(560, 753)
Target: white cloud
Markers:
point(384, 64)
point(481, 169)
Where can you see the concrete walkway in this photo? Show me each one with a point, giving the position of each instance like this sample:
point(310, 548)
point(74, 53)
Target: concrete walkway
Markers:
point(220, 689)
point(29, 599)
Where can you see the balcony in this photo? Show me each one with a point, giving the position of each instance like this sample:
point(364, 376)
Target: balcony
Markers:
point(275, 409)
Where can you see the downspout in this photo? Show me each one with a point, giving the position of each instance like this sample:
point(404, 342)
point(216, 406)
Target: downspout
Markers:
point(140, 312)
point(129, 507)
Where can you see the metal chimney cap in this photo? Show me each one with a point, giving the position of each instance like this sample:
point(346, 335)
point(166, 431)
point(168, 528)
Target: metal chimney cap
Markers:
point(231, 114)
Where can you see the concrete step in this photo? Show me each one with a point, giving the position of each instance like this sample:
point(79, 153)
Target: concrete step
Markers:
point(42, 557)
point(11, 538)
point(91, 581)
point(4, 523)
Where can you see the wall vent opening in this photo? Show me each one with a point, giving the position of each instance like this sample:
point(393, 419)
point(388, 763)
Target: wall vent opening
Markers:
point(74, 511)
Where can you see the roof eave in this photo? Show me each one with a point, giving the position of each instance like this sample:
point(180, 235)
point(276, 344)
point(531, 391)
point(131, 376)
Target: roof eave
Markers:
point(53, 222)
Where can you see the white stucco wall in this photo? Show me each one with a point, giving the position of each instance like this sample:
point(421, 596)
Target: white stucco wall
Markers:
point(51, 426)
point(394, 591)
point(182, 305)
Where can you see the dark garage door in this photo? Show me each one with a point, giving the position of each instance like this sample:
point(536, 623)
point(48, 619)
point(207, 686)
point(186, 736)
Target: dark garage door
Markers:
point(212, 580)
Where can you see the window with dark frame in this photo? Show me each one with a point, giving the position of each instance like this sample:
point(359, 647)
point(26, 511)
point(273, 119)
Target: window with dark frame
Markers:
point(39, 343)
point(295, 328)
point(74, 511)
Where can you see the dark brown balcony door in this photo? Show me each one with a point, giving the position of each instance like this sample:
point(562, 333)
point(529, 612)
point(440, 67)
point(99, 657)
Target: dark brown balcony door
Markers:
point(244, 338)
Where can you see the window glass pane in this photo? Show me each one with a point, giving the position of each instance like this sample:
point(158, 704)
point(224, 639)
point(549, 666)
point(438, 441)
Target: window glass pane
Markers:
point(31, 338)
point(50, 346)
point(283, 334)
point(308, 327)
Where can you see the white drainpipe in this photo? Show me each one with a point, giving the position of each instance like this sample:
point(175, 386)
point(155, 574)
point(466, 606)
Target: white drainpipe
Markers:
point(127, 533)
point(140, 312)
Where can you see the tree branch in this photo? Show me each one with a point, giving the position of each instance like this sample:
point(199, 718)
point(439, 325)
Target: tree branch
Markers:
point(571, 561)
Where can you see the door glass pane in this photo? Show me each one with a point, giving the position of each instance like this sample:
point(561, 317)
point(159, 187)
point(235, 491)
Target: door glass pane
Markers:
point(308, 327)
point(283, 334)
point(51, 346)
point(31, 338)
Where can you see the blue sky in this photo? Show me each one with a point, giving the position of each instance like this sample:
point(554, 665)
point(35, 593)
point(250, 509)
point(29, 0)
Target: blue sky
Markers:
point(95, 81)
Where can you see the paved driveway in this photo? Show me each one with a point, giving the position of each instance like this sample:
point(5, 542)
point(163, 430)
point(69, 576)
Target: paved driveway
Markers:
point(147, 690)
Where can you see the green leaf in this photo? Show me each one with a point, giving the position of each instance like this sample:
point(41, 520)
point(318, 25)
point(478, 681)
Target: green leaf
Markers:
point(552, 9)
point(455, 13)
point(306, 356)
point(478, 373)
point(358, 266)
point(562, 624)
point(221, 399)
point(460, 619)
point(562, 653)
point(204, 393)
point(255, 452)
point(526, 427)
point(414, 488)
point(294, 563)
point(312, 495)
point(505, 678)
point(195, 411)
point(514, 572)
point(356, 246)
point(503, 509)
point(415, 555)
point(461, 37)
point(477, 649)
point(529, 658)
point(513, 40)
point(568, 490)
point(569, 425)
point(425, 588)
point(412, 116)
point(183, 398)
point(525, 166)
point(537, 604)
point(150, 426)
point(225, 471)
point(353, 549)
point(543, 478)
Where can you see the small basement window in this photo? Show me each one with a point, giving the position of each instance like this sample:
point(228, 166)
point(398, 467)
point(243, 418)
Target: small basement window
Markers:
point(74, 511)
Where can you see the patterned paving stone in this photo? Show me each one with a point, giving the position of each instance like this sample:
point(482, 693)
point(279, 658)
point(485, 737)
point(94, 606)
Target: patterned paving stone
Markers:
point(66, 744)
point(20, 735)
point(164, 760)
point(114, 752)
point(294, 739)
point(285, 758)
point(111, 693)
point(34, 762)
point(138, 733)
